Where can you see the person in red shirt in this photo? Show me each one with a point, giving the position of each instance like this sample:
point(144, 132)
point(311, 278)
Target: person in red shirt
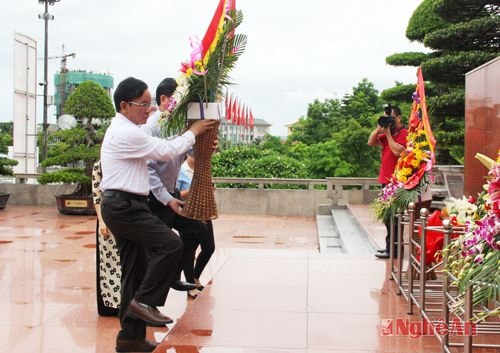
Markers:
point(390, 134)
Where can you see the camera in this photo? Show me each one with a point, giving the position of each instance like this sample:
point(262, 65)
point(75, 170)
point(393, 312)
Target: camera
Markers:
point(386, 120)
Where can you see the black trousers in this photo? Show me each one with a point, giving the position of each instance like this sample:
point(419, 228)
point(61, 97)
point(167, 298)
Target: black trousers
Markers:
point(388, 236)
point(193, 233)
point(150, 253)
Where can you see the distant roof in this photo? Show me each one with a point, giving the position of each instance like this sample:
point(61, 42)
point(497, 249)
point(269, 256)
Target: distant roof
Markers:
point(261, 122)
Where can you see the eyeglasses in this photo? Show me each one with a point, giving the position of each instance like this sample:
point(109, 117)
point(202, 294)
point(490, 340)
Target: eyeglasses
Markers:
point(142, 105)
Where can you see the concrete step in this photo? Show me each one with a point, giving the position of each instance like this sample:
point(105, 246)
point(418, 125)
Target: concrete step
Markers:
point(329, 238)
point(353, 238)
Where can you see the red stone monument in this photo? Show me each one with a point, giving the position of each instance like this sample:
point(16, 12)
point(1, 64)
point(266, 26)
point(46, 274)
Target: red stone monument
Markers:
point(482, 122)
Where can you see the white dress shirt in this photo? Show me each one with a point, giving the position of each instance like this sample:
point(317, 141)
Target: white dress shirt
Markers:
point(125, 150)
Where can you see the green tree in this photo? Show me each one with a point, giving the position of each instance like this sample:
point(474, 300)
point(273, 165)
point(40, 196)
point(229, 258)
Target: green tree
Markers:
point(462, 36)
point(253, 161)
point(361, 104)
point(323, 118)
point(77, 149)
point(6, 164)
point(345, 154)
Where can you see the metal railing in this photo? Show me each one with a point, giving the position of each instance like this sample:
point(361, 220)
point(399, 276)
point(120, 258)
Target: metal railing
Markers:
point(430, 289)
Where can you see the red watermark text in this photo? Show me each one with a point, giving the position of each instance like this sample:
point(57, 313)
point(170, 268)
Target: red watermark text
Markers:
point(417, 329)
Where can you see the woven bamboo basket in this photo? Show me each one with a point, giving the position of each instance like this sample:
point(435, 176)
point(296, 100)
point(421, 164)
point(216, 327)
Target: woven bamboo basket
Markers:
point(200, 203)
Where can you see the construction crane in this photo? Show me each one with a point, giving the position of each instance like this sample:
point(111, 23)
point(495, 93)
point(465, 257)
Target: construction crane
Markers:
point(62, 78)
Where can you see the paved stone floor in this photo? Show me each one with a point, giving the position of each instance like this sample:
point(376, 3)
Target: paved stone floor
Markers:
point(268, 291)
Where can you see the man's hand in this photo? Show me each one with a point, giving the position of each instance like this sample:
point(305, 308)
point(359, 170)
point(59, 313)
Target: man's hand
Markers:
point(215, 146)
point(201, 126)
point(176, 205)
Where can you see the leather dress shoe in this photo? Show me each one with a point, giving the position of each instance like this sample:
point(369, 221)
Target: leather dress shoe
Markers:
point(383, 255)
point(183, 286)
point(149, 314)
point(143, 345)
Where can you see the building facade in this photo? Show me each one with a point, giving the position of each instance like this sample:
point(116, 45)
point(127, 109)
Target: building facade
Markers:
point(66, 82)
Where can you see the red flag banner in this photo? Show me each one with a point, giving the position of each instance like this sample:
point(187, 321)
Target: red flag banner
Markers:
point(235, 111)
point(228, 109)
point(212, 35)
point(251, 119)
point(423, 107)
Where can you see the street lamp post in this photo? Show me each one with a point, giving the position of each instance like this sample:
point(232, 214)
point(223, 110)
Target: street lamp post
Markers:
point(45, 126)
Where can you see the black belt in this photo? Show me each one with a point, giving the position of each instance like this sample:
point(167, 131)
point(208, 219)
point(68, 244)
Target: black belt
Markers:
point(123, 195)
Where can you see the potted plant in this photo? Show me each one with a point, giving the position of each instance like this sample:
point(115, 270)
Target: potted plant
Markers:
point(6, 163)
point(73, 150)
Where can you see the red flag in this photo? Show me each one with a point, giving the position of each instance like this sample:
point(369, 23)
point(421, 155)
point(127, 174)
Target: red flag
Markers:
point(251, 119)
point(235, 111)
point(240, 115)
point(228, 108)
point(212, 35)
point(423, 106)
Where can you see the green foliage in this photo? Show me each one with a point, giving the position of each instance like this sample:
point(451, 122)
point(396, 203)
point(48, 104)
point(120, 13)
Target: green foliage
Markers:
point(254, 162)
point(464, 35)
point(465, 10)
point(271, 143)
point(477, 34)
point(424, 20)
point(451, 103)
point(449, 132)
point(398, 93)
point(346, 154)
point(322, 119)
point(70, 176)
point(6, 164)
point(77, 149)
point(89, 100)
point(406, 59)
point(452, 68)
point(362, 103)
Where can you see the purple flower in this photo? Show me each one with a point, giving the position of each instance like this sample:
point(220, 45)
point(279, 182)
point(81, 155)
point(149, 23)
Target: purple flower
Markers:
point(415, 97)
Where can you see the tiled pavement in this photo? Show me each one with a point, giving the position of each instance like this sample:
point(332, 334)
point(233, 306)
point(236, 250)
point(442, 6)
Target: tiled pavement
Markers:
point(269, 291)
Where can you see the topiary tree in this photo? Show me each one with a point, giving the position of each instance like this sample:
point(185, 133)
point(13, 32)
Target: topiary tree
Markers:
point(6, 163)
point(463, 35)
point(77, 149)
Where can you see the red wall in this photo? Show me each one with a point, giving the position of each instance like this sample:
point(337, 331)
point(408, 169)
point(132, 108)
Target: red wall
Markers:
point(482, 122)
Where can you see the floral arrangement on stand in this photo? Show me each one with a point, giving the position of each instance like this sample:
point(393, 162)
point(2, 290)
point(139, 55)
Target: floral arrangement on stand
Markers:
point(205, 76)
point(411, 175)
point(474, 256)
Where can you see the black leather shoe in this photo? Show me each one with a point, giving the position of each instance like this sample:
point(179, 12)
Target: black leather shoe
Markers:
point(384, 255)
point(143, 345)
point(149, 314)
point(381, 251)
point(182, 286)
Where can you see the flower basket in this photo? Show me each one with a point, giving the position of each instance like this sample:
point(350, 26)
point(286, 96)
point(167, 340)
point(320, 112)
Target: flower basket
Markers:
point(200, 203)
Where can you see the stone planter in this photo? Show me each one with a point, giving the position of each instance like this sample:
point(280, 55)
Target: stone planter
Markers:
point(75, 205)
point(4, 197)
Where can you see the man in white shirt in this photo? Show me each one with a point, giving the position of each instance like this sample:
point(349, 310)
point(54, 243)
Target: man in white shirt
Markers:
point(149, 251)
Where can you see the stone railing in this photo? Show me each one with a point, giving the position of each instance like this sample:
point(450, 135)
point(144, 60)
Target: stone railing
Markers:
point(266, 195)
